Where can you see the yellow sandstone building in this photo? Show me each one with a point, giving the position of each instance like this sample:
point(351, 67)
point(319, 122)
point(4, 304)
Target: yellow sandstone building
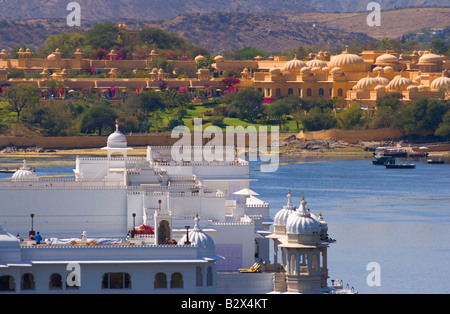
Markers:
point(365, 77)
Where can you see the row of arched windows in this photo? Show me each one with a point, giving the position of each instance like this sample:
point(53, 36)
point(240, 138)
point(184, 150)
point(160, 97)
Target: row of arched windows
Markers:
point(309, 93)
point(118, 280)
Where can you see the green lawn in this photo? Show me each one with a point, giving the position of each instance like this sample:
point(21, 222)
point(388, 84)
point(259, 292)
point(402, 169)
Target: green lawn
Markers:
point(199, 110)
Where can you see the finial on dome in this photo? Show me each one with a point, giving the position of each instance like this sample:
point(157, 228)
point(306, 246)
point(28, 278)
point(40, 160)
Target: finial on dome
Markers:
point(303, 197)
point(117, 125)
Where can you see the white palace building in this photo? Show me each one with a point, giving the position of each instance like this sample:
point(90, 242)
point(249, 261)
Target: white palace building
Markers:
point(206, 225)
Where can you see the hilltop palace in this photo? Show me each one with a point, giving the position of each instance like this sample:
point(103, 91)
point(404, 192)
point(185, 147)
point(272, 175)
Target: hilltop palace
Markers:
point(346, 76)
point(209, 232)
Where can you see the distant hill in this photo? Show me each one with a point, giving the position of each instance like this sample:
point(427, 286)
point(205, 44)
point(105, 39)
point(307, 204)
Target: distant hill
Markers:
point(222, 32)
point(226, 32)
point(217, 32)
point(96, 10)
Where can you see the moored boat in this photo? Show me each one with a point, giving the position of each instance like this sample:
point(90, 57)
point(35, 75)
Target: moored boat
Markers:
point(393, 165)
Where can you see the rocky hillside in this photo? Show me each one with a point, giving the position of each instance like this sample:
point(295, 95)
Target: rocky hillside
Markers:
point(163, 9)
point(226, 32)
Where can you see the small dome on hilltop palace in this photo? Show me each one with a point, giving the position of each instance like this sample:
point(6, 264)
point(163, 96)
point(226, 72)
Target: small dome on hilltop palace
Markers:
point(199, 58)
point(316, 63)
point(382, 80)
point(219, 58)
point(430, 58)
point(348, 62)
point(380, 88)
point(198, 237)
point(294, 65)
point(24, 174)
point(367, 83)
point(386, 59)
point(302, 221)
point(399, 83)
point(440, 82)
point(117, 139)
point(282, 216)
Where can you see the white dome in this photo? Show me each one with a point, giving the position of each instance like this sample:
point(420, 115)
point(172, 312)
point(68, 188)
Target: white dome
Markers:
point(199, 238)
point(302, 222)
point(282, 216)
point(24, 174)
point(117, 139)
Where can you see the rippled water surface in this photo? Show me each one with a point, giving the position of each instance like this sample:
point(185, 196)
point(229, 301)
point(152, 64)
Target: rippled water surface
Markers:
point(398, 218)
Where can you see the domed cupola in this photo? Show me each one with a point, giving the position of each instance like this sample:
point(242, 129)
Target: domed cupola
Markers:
point(303, 227)
point(117, 143)
point(282, 216)
point(117, 139)
point(198, 237)
point(24, 174)
point(294, 65)
point(348, 62)
point(440, 82)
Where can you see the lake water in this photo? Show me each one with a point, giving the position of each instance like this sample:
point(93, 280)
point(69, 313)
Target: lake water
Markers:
point(398, 218)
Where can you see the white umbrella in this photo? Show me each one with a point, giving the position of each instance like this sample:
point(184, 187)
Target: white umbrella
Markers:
point(246, 192)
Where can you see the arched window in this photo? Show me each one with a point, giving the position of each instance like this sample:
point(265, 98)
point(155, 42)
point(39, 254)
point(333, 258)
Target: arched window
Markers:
point(7, 283)
point(308, 92)
point(199, 276)
point(321, 92)
point(55, 282)
point(176, 281)
point(290, 91)
point(260, 90)
point(116, 281)
point(278, 92)
point(209, 277)
point(160, 281)
point(27, 282)
point(340, 92)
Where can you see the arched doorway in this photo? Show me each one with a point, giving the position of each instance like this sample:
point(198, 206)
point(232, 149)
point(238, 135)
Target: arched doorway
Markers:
point(163, 232)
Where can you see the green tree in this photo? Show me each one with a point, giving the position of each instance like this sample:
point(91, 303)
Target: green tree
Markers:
point(319, 119)
point(444, 127)
point(247, 103)
point(351, 118)
point(143, 104)
point(423, 114)
point(66, 43)
point(104, 36)
point(20, 96)
point(96, 118)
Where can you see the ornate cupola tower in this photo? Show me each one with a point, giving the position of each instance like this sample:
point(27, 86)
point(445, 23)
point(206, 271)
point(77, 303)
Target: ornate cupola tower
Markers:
point(117, 143)
point(303, 243)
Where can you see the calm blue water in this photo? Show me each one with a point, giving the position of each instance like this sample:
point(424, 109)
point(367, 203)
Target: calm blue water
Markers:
point(398, 218)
